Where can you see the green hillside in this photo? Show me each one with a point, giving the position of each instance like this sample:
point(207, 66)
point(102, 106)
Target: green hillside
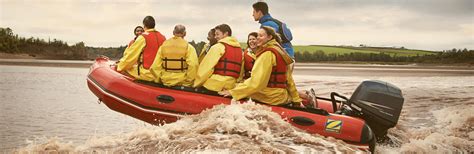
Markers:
point(347, 49)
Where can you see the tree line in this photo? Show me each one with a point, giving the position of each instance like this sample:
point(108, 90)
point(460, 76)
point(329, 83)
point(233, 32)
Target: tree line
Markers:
point(57, 49)
point(445, 57)
point(51, 49)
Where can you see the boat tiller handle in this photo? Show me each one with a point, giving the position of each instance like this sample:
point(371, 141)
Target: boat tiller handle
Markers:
point(333, 100)
point(165, 99)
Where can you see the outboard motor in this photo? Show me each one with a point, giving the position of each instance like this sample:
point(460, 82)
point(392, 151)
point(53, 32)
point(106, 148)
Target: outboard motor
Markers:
point(379, 104)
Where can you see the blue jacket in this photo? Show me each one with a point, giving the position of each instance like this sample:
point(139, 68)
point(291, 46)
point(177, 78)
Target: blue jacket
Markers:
point(288, 46)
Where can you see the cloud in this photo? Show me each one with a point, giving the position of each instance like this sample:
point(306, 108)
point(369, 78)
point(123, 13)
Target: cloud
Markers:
point(422, 24)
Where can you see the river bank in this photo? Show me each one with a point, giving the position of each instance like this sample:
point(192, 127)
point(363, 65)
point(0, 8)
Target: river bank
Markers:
point(301, 68)
point(38, 60)
point(50, 63)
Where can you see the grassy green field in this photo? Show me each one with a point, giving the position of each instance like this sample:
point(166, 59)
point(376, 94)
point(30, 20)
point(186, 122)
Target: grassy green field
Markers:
point(347, 49)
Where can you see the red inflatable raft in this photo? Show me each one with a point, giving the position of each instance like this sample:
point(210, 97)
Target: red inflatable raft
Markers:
point(154, 103)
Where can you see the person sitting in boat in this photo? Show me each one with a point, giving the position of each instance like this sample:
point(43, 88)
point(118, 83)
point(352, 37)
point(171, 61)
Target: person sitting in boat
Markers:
point(212, 40)
point(139, 56)
point(137, 31)
point(249, 54)
point(176, 62)
point(270, 81)
point(222, 66)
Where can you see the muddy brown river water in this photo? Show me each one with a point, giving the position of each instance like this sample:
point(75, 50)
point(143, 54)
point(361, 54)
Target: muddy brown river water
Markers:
point(51, 108)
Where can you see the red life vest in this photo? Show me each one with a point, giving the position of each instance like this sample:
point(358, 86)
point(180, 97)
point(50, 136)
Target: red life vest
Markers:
point(278, 77)
point(153, 40)
point(248, 64)
point(230, 63)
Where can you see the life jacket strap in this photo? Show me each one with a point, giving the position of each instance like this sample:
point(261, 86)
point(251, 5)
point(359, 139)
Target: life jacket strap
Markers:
point(181, 60)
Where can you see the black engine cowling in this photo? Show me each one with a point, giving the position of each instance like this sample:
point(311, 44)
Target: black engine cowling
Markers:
point(380, 104)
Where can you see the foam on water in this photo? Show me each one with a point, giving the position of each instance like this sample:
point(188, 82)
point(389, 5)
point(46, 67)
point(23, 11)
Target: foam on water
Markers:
point(450, 133)
point(437, 117)
point(224, 128)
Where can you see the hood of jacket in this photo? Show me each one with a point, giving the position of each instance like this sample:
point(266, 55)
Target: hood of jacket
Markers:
point(230, 40)
point(274, 44)
point(264, 18)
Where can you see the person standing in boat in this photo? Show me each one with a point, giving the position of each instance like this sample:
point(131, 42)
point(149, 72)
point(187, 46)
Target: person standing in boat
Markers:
point(249, 54)
point(176, 62)
point(270, 81)
point(212, 40)
point(222, 66)
point(261, 14)
point(139, 56)
point(137, 31)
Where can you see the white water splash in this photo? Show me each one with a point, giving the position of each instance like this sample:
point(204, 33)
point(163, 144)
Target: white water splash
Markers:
point(224, 128)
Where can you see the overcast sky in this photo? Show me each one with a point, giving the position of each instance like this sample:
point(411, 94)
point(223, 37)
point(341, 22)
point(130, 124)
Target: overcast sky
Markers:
point(415, 24)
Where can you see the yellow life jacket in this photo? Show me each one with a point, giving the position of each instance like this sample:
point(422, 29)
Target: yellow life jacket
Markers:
point(174, 54)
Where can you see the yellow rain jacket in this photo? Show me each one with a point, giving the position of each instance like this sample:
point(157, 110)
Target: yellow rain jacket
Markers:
point(256, 88)
point(205, 76)
point(204, 51)
point(128, 62)
point(175, 48)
